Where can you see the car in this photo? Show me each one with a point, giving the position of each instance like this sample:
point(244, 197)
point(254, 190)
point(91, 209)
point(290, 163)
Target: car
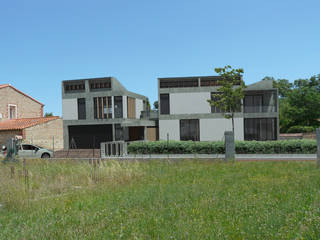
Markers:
point(33, 151)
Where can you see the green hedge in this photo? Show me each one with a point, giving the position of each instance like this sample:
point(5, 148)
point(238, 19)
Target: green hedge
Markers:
point(301, 129)
point(242, 147)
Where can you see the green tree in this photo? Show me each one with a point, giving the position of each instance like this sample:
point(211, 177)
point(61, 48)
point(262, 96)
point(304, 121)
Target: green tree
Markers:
point(48, 114)
point(231, 92)
point(284, 87)
point(156, 105)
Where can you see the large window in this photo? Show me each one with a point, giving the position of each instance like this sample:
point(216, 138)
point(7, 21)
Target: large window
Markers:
point(102, 107)
point(164, 104)
point(118, 107)
point(253, 103)
point(215, 109)
point(189, 130)
point(81, 108)
point(260, 129)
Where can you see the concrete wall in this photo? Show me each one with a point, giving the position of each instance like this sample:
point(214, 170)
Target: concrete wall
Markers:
point(193, 102)
point(169, 126)
point(125, 106)
point(26, 107)
point(70, 109)
point(139, 107)
point(213, 129)
point(42, 134)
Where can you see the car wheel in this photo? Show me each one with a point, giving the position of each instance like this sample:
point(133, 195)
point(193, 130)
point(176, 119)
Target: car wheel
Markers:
point(45, 155)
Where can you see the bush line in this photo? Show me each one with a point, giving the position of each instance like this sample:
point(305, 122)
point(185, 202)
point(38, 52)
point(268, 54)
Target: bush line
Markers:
point(305, 146)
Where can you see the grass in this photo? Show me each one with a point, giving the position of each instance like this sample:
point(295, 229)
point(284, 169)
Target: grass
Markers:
point(160, 200)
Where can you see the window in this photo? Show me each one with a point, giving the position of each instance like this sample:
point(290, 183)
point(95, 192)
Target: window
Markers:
point(253, 103)
point(100, 84)
point(81, 108)
point(12, 111)
point(118, 107)
point(189, 130)
point(260, 129)
point(29, 147)
point(74, 87)
point(178, 83)
point(164, 104)
point(215, 109)
point(118, 132)
point(102, 107)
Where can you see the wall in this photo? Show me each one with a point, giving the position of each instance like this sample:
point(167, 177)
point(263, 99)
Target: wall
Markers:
point(139, 107)
point(169, 126)
point(152, 133)
point(42, 134)
point(186, 103)
point(70, 109)
point(125, 107)
point(4, 135)
point(213, 129)
point(26, 107)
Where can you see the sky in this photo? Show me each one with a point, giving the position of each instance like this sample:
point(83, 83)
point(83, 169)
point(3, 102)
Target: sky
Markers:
point(45, 42)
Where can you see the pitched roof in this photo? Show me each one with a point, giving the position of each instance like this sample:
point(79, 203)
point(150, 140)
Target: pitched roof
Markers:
point(8, 85)
point(22, 123)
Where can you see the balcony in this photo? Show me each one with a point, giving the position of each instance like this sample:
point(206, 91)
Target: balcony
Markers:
point(150, 115)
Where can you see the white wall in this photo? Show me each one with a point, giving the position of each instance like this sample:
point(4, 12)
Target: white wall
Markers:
point(124, 107)
point(213, 129)
point(70, 109)
point(139, 107)
point(169, 126)
point(187, 103)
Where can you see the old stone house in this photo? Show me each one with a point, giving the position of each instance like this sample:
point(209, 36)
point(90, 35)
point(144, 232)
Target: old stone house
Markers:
point(22, 115)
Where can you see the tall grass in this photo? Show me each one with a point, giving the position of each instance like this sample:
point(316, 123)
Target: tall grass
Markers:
point(162, 200)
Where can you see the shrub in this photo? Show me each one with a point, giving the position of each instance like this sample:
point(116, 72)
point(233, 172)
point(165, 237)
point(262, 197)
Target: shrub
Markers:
point(242, 147)
point(300, 129)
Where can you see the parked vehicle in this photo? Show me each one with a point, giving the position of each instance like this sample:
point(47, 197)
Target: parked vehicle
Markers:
point(29, 151)
point(33, 151)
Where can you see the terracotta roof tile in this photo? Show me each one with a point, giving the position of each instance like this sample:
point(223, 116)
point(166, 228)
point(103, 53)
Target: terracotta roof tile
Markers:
point(22, 123)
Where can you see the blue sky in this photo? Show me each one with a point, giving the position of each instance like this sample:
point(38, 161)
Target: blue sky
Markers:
point(45, 42)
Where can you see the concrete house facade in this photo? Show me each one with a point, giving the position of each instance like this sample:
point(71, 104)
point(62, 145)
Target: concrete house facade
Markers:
point(185, 114)
point(99, 110)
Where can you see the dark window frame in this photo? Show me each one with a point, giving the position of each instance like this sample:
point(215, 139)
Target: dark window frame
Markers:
point(165, 103)
point(81, 108)
point(189, 129)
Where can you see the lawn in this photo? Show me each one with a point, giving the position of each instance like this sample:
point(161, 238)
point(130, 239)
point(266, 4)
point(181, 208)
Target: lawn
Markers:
point(160, 200)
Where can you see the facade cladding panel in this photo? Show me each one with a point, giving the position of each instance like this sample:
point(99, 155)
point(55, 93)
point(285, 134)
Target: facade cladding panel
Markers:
point(89, 136)
point(212, 129)
point(186, 103)
point(70, 109)
point(170, 127)
point(139, 107)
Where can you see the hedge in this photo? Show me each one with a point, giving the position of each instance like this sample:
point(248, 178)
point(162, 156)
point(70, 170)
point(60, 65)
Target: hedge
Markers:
point(242, 147)
point(301, 129)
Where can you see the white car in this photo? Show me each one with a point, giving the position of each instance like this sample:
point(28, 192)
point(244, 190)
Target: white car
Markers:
point(33, 151)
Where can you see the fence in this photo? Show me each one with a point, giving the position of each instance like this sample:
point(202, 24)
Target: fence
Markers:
point(113, 149)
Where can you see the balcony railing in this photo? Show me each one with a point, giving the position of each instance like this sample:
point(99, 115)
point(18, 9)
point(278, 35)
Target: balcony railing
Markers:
point(151, 114)
point(259, 109)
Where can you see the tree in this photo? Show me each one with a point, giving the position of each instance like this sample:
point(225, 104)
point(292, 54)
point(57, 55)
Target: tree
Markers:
point(284, 87)
point(231, 92)
point(48, 114)
point(156, 105)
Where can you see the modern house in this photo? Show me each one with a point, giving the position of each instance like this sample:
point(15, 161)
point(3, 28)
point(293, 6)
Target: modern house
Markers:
point(185, 113)
point(22, 115)
point(99, 110)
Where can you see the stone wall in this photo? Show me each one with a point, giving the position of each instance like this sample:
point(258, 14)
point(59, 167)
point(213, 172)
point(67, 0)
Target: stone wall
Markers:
point(43, 134)
point(4, 135)
point(26, 107)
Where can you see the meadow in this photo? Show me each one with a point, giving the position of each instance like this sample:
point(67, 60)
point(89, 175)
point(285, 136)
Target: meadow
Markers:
point(70, 199)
